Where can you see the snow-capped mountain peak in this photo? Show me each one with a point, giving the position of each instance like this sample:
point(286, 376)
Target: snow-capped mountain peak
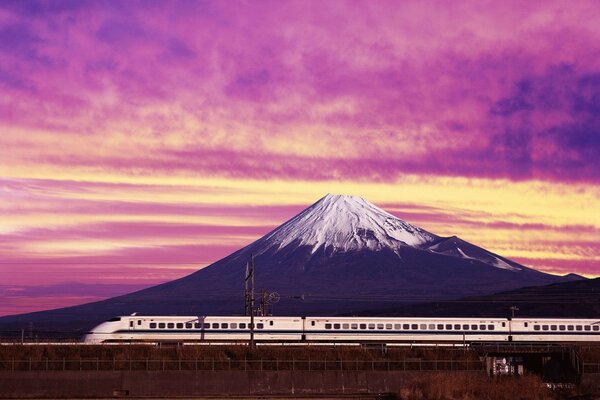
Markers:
point(347, 223)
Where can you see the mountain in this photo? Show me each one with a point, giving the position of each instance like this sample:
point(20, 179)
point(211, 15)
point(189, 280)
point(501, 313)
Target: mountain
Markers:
point(340, 255)
point(576, 299)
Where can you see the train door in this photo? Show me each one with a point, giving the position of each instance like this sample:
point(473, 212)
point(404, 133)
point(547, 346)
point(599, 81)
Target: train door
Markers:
point(303, 334)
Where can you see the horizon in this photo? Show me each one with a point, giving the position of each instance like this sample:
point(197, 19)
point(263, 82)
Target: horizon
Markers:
point(144, 141)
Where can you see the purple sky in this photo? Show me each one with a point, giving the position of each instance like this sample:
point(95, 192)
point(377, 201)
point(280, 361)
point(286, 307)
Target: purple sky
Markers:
point(142, 140)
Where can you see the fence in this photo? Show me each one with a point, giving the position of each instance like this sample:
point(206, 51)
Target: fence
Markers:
point(590, 368)
point(239, 365)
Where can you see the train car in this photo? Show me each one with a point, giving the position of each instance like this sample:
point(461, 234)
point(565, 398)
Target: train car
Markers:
point(422, 330)
point(136, 328)
point(555, 330)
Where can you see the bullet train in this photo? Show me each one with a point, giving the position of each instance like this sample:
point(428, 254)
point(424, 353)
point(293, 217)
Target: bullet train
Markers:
point(135, 328)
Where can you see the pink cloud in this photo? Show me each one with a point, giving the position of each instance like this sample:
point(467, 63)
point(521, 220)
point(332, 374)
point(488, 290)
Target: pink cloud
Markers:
point(345, 90)
point(471, 93)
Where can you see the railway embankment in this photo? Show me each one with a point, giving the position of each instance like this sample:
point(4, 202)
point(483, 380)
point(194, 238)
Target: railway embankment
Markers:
point(147, 371)
point(395, 384)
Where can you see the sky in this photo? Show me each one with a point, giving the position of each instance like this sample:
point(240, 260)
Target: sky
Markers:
point(143, 140)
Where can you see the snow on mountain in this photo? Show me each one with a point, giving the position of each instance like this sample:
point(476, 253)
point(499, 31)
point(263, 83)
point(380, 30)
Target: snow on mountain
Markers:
point(456, 247)
point(346, 223)
point(340, 223)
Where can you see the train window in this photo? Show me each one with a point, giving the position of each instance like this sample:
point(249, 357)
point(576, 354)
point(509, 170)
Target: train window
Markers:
point(180, 325)
point(440, 326)
point(465, 327)
point(139, 321)
point(596, 327)
point(271, 323)
point(570, 327)
point(397, 326)
point(379, 326)
point(423, 326)
point(457, 327)
point(196, 325)
point(312, 323)
point(504, 324)
point(215, 325)
point(491, 327)
point(233, 325)
point(152, 325)
point(552, 327)
point(354, 326)
point(327, 326)
point(414, 326)
point(482, 327)
point(206, 326)
point(473, 327)
point(448, 327)
point(371, 326)
point(544, 327)
point(161, 325)
point(405, 326)
point(587, 327)
point(562, 327)
point(188, 325)
point(526, 324)
point(363, 326)
point(536, 327)
point(336, 326)
point(388, 326)
point(345, 326)
point(170, 325)
point(224, 325)
point(260, 325)
point(578, 327)
point(242, 325)
point(131, 324)
point(431, 327)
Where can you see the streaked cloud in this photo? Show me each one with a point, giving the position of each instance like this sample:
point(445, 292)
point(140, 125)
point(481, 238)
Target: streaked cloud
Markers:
point(137, 130)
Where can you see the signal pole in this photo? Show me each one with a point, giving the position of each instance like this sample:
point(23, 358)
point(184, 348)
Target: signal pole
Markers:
point(263, 302)
point(252, 302)
point(246, 291)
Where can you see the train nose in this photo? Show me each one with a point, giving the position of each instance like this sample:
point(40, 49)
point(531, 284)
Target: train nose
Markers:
point(91, 337)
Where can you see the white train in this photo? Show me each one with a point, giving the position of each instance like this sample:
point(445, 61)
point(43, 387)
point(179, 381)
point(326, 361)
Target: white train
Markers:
point(136, 328)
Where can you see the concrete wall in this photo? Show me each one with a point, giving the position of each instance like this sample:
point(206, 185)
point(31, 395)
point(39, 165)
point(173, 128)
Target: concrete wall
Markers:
point(72, 384)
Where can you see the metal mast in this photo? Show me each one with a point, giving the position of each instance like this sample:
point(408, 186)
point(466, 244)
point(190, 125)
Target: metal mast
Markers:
point(246, 292)
point(252, 301)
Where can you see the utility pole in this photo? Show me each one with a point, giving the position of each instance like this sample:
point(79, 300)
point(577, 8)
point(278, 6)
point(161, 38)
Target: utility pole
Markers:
point(513, 309)
point(252, 345)
point(263, 302)
point(246, 290)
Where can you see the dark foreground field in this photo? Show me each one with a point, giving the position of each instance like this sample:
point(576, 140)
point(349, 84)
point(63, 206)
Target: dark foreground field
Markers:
point(135, 371)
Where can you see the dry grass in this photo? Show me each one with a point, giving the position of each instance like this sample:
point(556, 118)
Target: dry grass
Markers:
point(414, 385)
point(590, 353)
point(233, 352)
point(443, 386)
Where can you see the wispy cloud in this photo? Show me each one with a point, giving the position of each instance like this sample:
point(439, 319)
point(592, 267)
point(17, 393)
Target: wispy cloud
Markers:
point(135, 127)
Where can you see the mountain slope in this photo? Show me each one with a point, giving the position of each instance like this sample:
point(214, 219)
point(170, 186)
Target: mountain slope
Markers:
point(342, 254)
point(577, 299)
